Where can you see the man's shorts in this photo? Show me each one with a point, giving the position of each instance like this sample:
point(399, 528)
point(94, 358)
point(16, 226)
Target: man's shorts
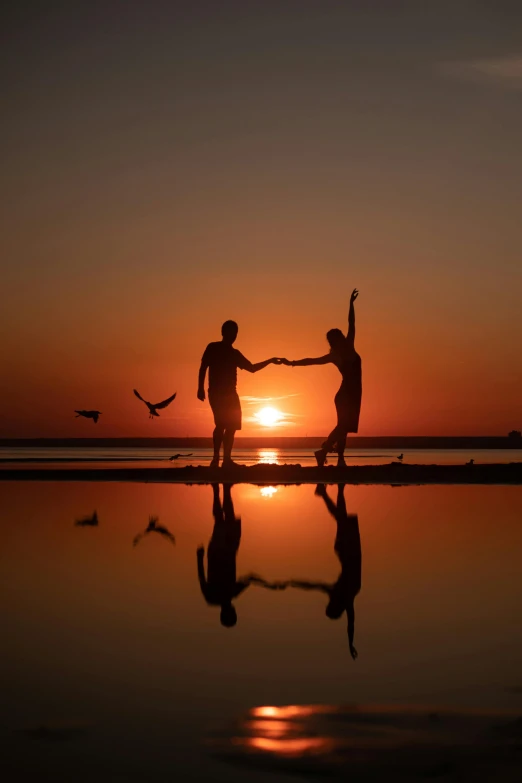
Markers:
point(226, 409)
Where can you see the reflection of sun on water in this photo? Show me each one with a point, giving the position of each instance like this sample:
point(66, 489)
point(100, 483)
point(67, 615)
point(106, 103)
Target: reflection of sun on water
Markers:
point(282, 731)
point(267, 492)
point(268, 457)
point(268, 417)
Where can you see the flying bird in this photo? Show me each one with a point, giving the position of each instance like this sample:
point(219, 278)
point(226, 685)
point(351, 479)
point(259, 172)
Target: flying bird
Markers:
point(89, 415)
point(91, 521)
point(153, 408)
point(175, 456)
point(153, 527)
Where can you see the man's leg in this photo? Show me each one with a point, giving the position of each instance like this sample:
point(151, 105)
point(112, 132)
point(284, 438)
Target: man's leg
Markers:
point(217, 437)
point(217, 509)
point(228, 505)
point(233, 523)
point(228, 442)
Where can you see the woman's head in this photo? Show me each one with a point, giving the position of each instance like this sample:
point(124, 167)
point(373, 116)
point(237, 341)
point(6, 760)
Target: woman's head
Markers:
point(336, 339)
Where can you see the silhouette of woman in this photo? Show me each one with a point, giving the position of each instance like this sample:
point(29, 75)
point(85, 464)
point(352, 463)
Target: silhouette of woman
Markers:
point(348, 398)
point(348, 549)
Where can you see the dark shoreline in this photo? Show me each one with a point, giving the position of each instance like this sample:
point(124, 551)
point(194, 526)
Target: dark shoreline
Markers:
point(394, 473)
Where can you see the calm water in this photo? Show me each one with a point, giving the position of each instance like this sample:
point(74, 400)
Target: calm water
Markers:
point(119, 457)
point(114, 667)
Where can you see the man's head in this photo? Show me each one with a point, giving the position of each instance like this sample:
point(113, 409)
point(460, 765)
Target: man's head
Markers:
point(229, 331)
point(335, 607)
point(228, 615)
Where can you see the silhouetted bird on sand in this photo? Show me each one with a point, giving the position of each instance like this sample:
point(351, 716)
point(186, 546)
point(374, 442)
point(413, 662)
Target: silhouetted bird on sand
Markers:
point(470, 463)
point(89, 415)
point(153, 527)
point(153, 407)
point(91, 521)
point(400, 457)
point(176, 456)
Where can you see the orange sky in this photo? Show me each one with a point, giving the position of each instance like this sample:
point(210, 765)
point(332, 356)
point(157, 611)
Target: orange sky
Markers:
point(180, 170)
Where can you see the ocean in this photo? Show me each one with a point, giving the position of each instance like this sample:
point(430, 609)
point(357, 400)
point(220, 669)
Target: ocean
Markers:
point(112, 457)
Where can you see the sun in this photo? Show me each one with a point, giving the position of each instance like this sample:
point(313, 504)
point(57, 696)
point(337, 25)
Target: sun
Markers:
point(268, 417)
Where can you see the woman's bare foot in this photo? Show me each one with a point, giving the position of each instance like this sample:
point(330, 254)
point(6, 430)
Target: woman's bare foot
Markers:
point(215, 463)
point(340, 462)
point(320, 456)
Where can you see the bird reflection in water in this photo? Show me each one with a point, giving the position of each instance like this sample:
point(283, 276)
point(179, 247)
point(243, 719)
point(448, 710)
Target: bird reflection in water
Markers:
point(153, 527)
point(347, 547)
point(221, 586)
point(91, 521)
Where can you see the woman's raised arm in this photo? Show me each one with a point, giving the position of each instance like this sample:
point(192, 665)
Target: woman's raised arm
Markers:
point(351, 317)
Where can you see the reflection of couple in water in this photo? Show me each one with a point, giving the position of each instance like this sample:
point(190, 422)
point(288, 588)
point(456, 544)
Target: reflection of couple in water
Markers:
point(341, 594)
point(221, 586)
point(223, 361)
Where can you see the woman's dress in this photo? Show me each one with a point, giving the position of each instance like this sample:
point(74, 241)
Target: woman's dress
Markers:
point(348, 398)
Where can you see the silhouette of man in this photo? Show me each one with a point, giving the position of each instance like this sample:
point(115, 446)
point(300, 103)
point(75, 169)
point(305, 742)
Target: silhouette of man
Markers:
point(347, 547)
point(222, 362)
point(221, 586)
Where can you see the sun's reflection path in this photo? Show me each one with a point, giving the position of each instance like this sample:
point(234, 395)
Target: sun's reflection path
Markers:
point(369, 741)
point(280, 731)
point(267, 457)
point(267, 492)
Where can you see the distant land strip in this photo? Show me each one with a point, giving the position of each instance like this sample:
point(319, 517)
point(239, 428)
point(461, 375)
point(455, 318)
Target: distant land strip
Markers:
point(277, 442)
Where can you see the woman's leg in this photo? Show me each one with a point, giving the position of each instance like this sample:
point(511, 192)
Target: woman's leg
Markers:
point(341, 445)
point(331, 440)
point(327, 446)
point(337, 438)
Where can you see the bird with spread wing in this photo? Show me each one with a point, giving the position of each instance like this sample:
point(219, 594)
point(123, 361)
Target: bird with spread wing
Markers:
point(91, 521)
point(153, 527)
point(153, 407)
point(94, 415)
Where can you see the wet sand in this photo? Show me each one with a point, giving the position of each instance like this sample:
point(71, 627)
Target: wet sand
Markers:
point(394, 473)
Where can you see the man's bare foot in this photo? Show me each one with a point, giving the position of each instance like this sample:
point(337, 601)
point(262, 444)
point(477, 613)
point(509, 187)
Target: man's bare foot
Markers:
point(320, 456)
point(215, 463)
point(229, 463)
point(341, 463)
